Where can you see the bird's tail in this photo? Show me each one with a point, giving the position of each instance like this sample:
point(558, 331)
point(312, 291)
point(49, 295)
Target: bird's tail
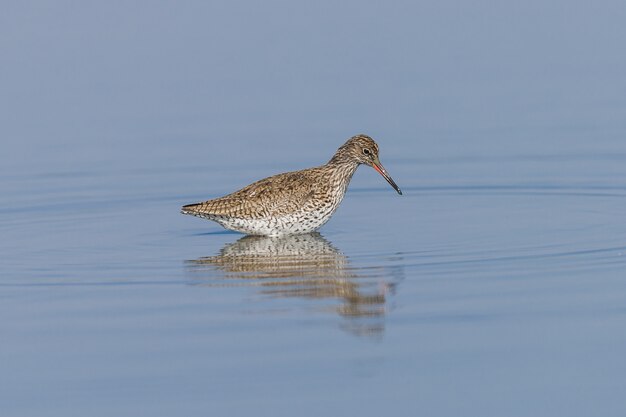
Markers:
point(190, 209)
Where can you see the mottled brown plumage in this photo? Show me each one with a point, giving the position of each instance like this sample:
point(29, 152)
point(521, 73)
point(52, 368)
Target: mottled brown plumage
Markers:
point(293, 202)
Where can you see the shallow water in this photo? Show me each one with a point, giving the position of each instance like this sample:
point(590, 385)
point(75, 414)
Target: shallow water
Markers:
point(494, 286)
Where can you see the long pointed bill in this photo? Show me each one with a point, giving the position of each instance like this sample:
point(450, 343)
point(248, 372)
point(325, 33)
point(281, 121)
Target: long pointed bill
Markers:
point(382, 171)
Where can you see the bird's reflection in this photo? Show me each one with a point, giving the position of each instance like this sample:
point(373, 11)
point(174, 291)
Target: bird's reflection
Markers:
point(306, 266)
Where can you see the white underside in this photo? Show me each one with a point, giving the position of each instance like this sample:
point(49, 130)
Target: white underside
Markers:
point(280, 226)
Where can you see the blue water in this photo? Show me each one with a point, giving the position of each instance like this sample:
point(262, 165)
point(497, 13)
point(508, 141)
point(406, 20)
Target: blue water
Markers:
point(494, 286)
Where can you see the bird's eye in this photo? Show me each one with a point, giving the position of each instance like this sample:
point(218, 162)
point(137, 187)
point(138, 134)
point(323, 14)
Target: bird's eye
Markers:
point(367, 151)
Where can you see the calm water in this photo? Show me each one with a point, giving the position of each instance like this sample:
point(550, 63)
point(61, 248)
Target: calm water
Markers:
point(495, 286)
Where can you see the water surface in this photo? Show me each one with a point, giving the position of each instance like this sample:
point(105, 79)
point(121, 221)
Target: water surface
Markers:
point(494, 286)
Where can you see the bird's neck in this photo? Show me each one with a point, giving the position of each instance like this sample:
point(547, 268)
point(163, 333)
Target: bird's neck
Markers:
point(342, 168)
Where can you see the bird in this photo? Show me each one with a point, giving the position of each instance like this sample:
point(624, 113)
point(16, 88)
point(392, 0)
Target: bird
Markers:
point(295, 202)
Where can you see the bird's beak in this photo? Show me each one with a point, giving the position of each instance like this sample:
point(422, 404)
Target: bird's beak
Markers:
point(382, 171)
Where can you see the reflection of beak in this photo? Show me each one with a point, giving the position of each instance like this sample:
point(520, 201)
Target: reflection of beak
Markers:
point(382, 171)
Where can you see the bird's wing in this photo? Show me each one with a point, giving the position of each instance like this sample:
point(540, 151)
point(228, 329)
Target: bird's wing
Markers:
point(270, 197)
